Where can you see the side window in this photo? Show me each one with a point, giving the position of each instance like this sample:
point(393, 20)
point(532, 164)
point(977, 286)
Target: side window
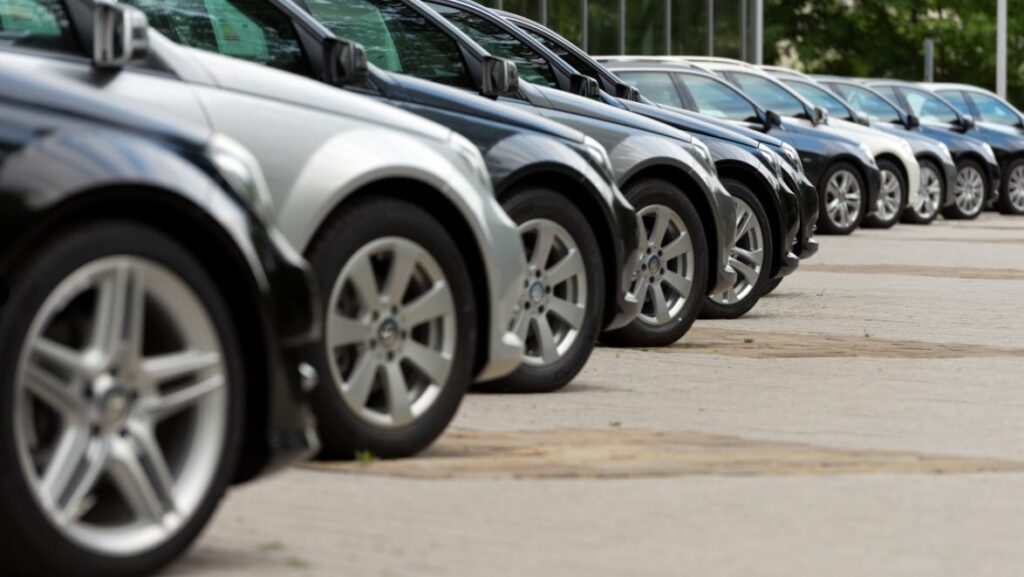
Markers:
point(888, 92)
point(246, 29)
point(992, 110)
point(957, 99)
point(820, 97)
point(533, 67)
point(716, 99)
point(36, 24)
point(658, 86)
point(929, 108)
point(865, 101)
point(769, 95)
point(396, 38)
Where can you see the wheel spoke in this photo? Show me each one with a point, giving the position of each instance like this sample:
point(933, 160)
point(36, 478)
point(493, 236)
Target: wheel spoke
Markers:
point(522, 326)
point(134, 483)
point(399, 404)
point(174, 366)
point(744, 223)
point(745, 270)
point(57, 395)
point(542, 247)
point(67, 459)
point(95, 462)
point(643, 285)
point(118, 319)
point(569, 312)
point(660, 303)
point(680, 284)
point(364, 280)
point(155, 464)
point(430, 362)
point(360, 381)
point(62, 357)
point(569, 266)
point(343, 331)
point(678, 247)
point(660, 227)
point(403, 264)
point(545, 339)
point(435, 303)
point(162, 407)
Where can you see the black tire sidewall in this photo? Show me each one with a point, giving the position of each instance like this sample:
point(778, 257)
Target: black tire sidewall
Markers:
point(29, 543)
point(343, 432)
point(825, 224)
point(872, 220)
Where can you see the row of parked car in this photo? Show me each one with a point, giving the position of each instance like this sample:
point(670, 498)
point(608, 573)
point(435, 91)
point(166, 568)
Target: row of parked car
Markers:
point(239, 233)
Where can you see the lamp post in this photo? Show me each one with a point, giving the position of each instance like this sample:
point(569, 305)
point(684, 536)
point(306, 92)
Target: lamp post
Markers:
point(1001, 48)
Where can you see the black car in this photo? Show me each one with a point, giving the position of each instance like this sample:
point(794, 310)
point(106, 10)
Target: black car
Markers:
point(967, 152)
point(666, 174)
point(938, 113)
point(151, 321)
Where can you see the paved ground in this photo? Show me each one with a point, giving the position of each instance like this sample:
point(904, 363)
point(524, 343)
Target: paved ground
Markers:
point(866, 420)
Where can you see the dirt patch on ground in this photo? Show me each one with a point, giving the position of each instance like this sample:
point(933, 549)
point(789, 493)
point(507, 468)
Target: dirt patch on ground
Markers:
point(629, 453)
point(1019, 241)
point(919, 270)
point(762, 345)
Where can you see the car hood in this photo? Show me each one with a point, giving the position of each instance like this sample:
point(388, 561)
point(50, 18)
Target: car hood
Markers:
point(692, 124)
point(405, 87)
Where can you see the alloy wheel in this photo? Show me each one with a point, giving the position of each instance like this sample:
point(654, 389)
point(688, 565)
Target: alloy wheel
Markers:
point(1015, 188)
point(121, 405)
point(665, 278)
point(843, 197)
point(970, 190)
point(553, 304)
point(747, 257)
point(390, 332)
point(890, 197)
point(929, 200)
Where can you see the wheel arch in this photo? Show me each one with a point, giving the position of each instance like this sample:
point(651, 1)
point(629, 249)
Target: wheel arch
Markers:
point(769, 202)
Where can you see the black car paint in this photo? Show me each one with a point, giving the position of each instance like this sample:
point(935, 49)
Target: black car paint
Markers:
point(68, 154)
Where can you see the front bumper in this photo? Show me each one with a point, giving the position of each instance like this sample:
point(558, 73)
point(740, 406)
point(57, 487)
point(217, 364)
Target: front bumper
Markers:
point(949, 176)
point(627, 248)
point(874, 184)
point(806, 244)
point(725, 225)
point(790, 209)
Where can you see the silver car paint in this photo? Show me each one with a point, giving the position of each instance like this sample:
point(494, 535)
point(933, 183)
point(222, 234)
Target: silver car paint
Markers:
point(317, 145)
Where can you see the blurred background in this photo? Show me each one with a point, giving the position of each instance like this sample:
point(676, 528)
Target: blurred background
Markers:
point(883, 38)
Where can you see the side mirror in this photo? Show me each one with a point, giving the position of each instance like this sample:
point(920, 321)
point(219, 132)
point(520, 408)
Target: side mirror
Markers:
point(120, 35)
point(967, 122)
point(913, 121)
point(863, 118)
point(584, 86)
point(346, 62)
point(627, 92)
point(500, 77)
point(772, 120)
point(820, 115)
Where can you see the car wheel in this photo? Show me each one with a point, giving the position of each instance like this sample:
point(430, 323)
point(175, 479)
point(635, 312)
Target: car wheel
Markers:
point(560, 313)
point(673, 272)
point(121, 405)
point(1011, 201)
point(970, 192)
point(399, 330)
point(929, 201)
point(892, 197)
point(751, 258)
point(843, 194)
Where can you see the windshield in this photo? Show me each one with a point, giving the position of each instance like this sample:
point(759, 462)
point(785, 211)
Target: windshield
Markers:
point(928, 107)
point(866, 101)
point(820, 97)
point(770, 95)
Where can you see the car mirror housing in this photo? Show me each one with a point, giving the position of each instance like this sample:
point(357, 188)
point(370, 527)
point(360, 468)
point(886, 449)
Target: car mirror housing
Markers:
point(500, 77)
point(346, 62)
point(772, 120)
point(120, 35)
point(584, 86)
point(862, 118)
point(913, 121)
point(820, 115)
point(967, 122)
point(627, 92)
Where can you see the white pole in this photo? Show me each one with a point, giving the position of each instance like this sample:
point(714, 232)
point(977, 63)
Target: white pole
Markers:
point(544, 12)
point(758, 32)
point(1001, 48)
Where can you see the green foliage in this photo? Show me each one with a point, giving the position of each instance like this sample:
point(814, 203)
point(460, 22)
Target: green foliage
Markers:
point(885, 38)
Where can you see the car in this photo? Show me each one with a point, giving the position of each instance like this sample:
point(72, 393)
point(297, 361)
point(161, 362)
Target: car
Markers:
point(833, 163)
point(377, 199)
point(154, 325)
point(939, 195)
point(977, 185)
point(667, 175)
point(767, 212)
point(995, 116)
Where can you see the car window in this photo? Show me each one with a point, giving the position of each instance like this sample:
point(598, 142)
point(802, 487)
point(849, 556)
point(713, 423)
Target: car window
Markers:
point(716, 98)
point(957, 99)
point(928, 107)
point(581, 65)
point(820, 97)
point(36, 24)
point(990, 109)
point(247, 29)
point(866, 101)
point(533, 67)
point(658, 86)
point(769, 95)
point(396, 38)
point(888, 92)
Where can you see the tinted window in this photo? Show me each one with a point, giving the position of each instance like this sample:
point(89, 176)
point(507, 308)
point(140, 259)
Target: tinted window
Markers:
point(957, 99)
point(769, 95)
point(396, 38)
point(888, 92)
point(38, 24)
point(820, 97)
point(990, 109)
point(532, 66)
point(928, 107)
point(581, 65)
point(866, 101)
point(658, 86)
point(246, 29)
point(716, 98)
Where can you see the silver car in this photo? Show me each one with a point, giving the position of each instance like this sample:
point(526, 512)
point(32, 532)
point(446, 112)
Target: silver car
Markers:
point(396, 214)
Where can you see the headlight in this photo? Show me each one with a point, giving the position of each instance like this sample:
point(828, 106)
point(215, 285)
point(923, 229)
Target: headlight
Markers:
point(793, 157)
point(771, 159)
point(944, 151)
point(704, 155)
point(242, 172)
point(598, 157)
point(989, 151)
point(472, 159)
point(864, 148)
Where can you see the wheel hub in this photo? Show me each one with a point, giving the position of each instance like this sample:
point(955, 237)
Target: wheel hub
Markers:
point(389, 333)
point(537, 292)
point(654, 264)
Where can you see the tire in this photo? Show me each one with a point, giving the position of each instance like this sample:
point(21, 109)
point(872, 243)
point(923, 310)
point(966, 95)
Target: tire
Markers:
point(1011, 197)
point(892, 197)
point(933, 193)
point(578, 291)
point(839, 221)
point(772, 285)
point(395, 364)
point(971, 192)
point(753, 238)
point(655, 199)
point(50, 296)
